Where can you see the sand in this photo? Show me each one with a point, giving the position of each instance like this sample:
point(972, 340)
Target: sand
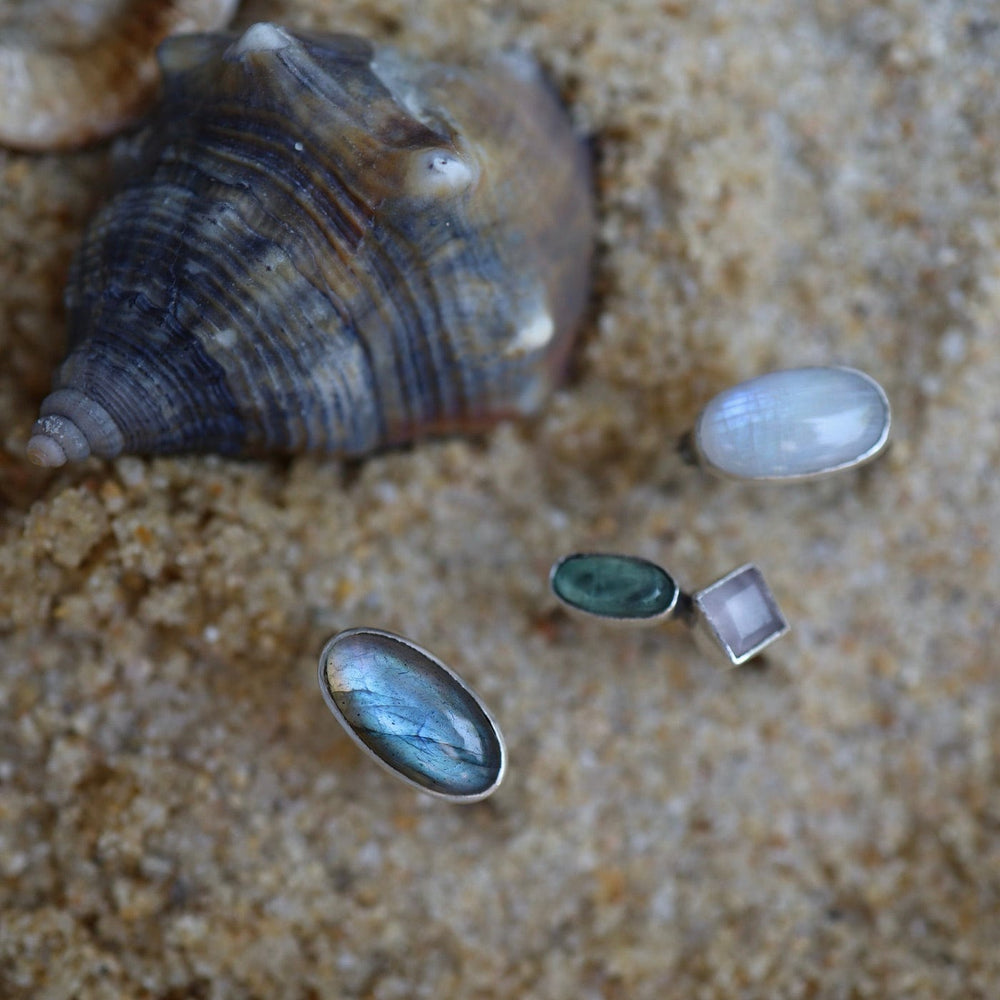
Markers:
point(780, 183)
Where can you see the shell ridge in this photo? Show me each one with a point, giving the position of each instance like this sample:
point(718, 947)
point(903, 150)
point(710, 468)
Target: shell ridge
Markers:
point(127, 386)
point(456, 259)
point(287, 360)
point(399, 285)
point(141, 247)
point(332, 232)
point(280, 82)
point(332, 223)
point(382, 132)
point(223, 160)
point(210, 253)
point(448, 379)
point(429, 393)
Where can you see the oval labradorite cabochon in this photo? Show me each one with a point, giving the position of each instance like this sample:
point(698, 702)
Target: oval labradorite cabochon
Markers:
point(411, 712)
point(794, 424)
point(614, 586)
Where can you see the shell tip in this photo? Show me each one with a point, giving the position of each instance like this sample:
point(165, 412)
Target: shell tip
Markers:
point(73, 427)
point(56, 440)
point(260, 37)
point(45, 451)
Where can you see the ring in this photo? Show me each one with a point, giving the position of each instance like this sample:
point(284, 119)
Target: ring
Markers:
point(801, 423)
point(734, 618)
point(414, 715)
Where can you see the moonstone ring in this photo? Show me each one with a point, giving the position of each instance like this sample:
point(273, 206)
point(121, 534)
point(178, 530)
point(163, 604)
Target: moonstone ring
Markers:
point(415, 716)
point(734, 618)
point(801, 423)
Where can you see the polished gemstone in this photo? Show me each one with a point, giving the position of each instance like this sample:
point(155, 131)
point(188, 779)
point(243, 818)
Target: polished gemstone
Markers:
point(412, 713)
point(739, 614)
point(614, 586)
point(794, 424)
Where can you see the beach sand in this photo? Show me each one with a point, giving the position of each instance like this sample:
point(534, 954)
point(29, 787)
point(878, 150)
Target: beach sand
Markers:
point(780, 184)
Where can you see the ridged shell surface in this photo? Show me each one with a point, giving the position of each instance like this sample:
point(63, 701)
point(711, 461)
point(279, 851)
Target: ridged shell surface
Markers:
point(325, 245)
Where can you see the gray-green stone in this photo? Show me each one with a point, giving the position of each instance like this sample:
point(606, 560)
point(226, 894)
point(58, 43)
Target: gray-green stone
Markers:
point(614, 586)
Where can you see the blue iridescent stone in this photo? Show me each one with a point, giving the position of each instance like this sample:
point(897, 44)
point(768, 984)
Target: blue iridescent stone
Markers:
point(614, 586)
point(414, 714)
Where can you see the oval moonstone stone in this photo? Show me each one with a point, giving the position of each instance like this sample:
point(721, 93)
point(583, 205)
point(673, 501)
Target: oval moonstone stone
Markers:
point(412, 713)
point(614, 586)
point(794, 424)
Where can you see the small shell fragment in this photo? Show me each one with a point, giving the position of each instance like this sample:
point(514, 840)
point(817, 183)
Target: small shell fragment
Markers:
point(86, 69)
point(796, 424)
point(413, 714)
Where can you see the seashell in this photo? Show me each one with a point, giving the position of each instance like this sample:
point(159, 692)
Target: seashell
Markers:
point(85, 70)
point(327, 246)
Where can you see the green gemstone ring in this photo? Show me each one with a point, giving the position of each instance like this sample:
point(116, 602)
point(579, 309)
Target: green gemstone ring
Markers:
point(735, 617)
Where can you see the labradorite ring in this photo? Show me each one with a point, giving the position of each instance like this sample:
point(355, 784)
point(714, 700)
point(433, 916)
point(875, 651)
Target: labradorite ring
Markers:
point(413, 714)
point(735, 618)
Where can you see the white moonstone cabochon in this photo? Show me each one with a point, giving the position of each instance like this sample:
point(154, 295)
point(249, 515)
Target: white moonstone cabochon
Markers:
point(793, 424)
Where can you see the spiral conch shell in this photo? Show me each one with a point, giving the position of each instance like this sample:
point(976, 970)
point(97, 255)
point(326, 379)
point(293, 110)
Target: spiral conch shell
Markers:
point(326, 246)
